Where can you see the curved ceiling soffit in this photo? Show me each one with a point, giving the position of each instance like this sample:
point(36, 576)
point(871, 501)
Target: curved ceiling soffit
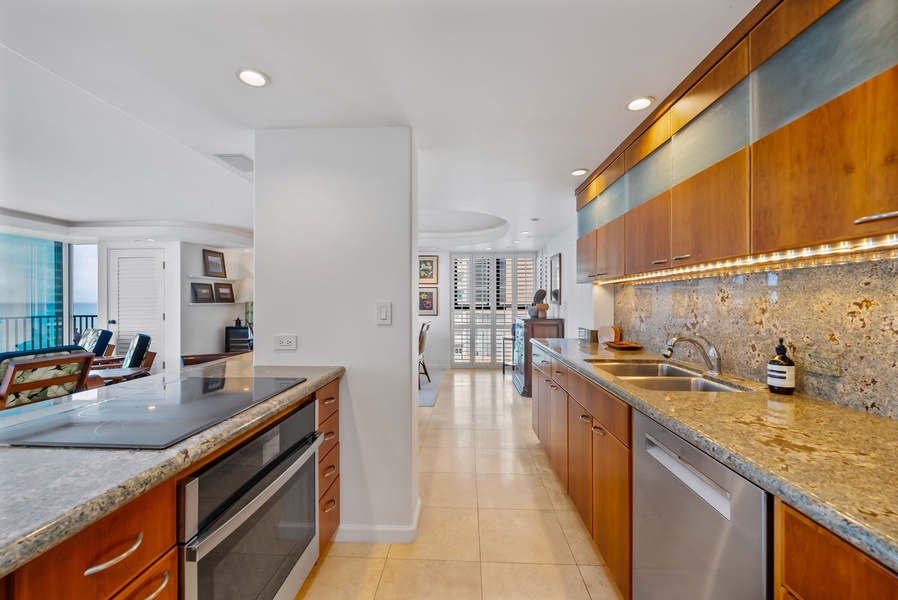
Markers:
point(459, 228)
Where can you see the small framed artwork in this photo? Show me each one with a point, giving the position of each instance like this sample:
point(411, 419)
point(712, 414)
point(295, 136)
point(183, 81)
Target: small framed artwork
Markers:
point(427, 301)
point(202, 292)
point(224, 292)
point(427, 270)
point(214, 264)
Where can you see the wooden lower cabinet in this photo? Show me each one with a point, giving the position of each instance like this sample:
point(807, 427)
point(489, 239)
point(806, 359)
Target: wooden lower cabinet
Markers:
point(141, 531)
point(558, 457)
point(534, 400)
point(545, 414)
point(611, 504)
point(328, 399)
point(160, 579)
point(579, 433)
point(811, 563)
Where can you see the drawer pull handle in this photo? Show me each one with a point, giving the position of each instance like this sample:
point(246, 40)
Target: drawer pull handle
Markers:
point(879, 217)
point(331, 505)
point(660, 261)
point(558, 372)
point(161, 587)
point(118, 558)
point(329, 435)
point(600, 274)
point(330, 470)
point(586, 418)
point(598, 430)
point(682, 256)
point(553, 387)
point(545, 362)
point(329, 401)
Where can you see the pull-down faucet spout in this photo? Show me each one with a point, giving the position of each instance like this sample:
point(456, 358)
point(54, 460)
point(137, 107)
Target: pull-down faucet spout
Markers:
point(711, 356)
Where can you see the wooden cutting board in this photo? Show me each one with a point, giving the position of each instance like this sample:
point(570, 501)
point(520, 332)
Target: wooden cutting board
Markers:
point(608, 333)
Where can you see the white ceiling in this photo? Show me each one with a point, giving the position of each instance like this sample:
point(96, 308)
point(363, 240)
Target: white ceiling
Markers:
point(111, 110)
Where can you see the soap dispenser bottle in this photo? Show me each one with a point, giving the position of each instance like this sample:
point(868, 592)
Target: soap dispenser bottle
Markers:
point(781, 372)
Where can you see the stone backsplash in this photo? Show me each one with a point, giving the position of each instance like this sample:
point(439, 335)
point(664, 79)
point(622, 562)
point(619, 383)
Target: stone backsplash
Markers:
point(840, 324)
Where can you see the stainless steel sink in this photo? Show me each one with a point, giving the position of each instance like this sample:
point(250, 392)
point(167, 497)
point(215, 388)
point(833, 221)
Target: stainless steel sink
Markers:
point(626, 369)
point(679, 384)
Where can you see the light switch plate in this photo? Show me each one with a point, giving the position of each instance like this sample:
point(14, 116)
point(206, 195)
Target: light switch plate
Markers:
point(384, 314)
point(285, 341)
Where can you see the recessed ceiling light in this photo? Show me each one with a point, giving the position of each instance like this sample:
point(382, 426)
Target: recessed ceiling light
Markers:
point(247, 249)
point(534, 219)
point(489, 247)
point(525, 233)
point(151, 239)
point(253, 77)
point(640, 103)
point(516, 241)
point(579, 172)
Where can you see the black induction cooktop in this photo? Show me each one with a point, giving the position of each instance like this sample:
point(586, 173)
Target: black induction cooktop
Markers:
point(154, 418)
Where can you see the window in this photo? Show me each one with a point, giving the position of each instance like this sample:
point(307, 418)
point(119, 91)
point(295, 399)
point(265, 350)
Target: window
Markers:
point(31, 293)
point(489, 291)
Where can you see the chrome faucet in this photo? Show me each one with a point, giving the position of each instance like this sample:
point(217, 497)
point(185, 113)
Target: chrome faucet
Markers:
point(711, 356)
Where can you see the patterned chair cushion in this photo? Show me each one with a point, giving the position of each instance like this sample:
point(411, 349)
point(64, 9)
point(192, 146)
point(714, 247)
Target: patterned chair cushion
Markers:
point(137, 351)
point(41, 393)
point(95, 340)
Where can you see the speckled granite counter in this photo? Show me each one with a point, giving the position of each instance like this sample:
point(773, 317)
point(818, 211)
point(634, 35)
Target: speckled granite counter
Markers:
point(837, 465)
point(49, 494)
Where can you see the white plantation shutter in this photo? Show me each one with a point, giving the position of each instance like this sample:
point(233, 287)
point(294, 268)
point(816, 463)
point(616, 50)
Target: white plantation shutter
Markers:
point(489, 291)
point(136, 298)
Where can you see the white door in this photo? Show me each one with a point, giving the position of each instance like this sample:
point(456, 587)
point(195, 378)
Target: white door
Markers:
point(136, 301)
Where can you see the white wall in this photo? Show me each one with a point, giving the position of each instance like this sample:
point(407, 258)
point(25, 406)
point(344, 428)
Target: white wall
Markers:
point(582, 304)
point(335, 232)
point(438, 353)
point(172, 296)
point(203, 325)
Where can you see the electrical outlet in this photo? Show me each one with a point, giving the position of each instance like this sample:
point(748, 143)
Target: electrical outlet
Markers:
point(285, 342)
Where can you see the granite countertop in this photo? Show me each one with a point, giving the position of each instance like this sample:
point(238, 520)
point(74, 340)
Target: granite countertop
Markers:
point(50, 494)
point(837, 465)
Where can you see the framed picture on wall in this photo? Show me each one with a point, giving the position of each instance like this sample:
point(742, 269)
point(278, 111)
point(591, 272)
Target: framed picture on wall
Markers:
point(224, 292)
point(555, 279)
point(214, 264)
point(428, 267)
point(202, 292)
point(427, 301)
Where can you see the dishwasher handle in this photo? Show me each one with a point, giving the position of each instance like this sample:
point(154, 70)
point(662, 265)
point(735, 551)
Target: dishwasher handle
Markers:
point(706, 489)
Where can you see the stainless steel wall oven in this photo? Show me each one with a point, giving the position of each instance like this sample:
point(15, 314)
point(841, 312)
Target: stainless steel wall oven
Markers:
point(248, 522)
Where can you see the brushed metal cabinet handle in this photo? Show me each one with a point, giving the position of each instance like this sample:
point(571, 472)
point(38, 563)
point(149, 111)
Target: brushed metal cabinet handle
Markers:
point(682, 256)
point(330, 471)
point(879, 217)
point(330, 435)
point(586, 418)
point(600, 274)
point(545, 362)
point(117, 559)
point(598, 430)
point(161, 587)
point(558, 372)
point(660, 261)
point(329, 401)
point(331, 505)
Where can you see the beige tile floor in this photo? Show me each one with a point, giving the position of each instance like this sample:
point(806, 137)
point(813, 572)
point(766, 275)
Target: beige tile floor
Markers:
point(496, 523)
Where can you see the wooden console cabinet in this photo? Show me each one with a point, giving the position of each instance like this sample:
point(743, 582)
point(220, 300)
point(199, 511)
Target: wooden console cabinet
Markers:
point(525, 330)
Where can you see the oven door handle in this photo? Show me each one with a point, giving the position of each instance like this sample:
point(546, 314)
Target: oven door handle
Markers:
point(205, 542)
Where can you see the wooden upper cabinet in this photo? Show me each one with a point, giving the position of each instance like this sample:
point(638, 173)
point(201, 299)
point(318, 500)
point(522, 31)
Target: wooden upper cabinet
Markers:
point(648, 235)
point(709, 217)
point(783, 24)
point(586, 258)
point(587, 195)
point(822, 177)
point(813, 564)
point(602, 182)
point(732, 69)
point(648, 142)
point(610, 248)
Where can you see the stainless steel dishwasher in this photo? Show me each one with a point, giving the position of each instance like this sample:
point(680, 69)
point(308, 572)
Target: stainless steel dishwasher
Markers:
point(700, 531)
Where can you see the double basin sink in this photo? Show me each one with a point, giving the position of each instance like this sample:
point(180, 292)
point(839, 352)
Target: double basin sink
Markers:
point(661, 376)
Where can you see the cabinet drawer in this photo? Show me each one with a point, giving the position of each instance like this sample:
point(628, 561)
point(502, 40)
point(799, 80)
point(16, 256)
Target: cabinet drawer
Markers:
point(611, 412)
point(141, 531)
point(329, 513)
point(541, 360)
point(328, 400)
point(160, 579)
point(330, 431)
point(816, 564)
point(328, 469)
point(560, 373)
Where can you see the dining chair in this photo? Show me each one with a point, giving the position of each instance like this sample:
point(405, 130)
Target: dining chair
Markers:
point(422, 345)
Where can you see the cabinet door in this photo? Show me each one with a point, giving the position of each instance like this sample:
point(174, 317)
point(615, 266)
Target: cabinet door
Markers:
point(611, 504)
point(534, 399)
point(820, 178)
point(545, 414)
point(648, 235)
point(610, 248)
point(558, 423)
point(586, 258)
point(580, 460)
point(709, 214)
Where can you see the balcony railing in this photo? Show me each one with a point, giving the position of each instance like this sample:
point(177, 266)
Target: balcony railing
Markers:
point(35, 332)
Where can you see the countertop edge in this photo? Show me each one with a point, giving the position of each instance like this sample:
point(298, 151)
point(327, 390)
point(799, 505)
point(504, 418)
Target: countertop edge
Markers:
point(16, 553)
point(873, 542)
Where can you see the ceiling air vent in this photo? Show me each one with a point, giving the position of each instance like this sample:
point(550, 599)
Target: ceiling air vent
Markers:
point(241, 162)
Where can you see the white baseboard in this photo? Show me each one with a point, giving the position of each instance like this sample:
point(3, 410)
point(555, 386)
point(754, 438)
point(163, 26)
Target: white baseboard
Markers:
point(438, 367)
point(380, 534)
